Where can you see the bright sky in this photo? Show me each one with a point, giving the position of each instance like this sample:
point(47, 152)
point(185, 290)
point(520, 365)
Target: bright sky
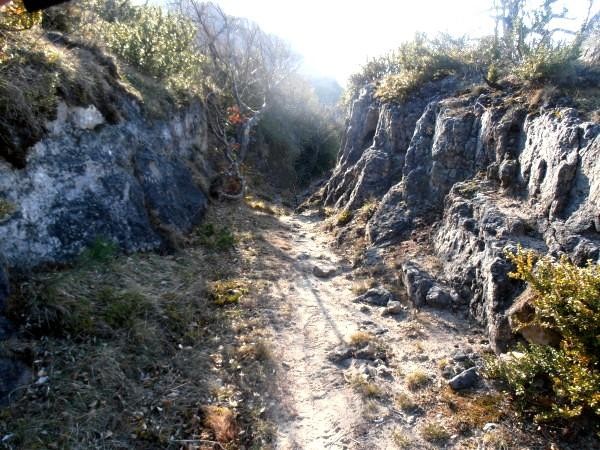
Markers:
point(335, 37)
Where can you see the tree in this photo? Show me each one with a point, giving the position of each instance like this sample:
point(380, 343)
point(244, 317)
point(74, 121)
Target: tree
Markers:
point(246, 65)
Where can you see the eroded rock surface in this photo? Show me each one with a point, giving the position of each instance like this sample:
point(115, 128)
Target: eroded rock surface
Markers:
point(130, 183)
point(484, 174)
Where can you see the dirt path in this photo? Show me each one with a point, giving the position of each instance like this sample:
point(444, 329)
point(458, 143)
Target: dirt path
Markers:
point(321, 408)
point(334, 398)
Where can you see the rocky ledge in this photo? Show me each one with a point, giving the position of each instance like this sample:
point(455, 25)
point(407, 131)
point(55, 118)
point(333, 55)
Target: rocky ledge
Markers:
point(483, 172)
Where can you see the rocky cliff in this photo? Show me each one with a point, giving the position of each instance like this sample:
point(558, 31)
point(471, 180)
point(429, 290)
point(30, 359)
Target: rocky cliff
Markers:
point(92, 177)
point(482, 172)
point(131, 183)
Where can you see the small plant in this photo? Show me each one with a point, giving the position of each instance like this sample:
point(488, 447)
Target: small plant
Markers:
point(100, 251)
point(216, 238)
point(361, 338)
point(6, 209)
point(343, 218)
point(468, 189)
point(227, 292)
point(405, 402)
point(435, 433)
point(417, 379)
point(401, 440)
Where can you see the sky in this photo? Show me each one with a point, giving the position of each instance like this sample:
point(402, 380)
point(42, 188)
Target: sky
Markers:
point(335, 37)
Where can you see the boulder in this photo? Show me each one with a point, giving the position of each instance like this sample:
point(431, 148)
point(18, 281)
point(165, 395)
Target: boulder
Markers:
point(464, 380)
point(376, 296)
point(417, 283)
point(324, 271)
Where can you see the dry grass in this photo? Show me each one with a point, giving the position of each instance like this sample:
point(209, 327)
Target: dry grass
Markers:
point(400, 439)
point(417, 379)
point(221, 422)
point(442, 363)
point(361, 338)
point(405, 402)
point(435, 433)
point(472, 411)
point(261, 205)
point(137, 352)
point(362, 286)
point(366, 211)
point(365, 387)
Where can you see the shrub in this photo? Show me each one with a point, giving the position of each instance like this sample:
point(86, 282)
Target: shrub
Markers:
point(216, 238)
point(417, 380)
point(434, 432)
point(99, 251)
point(567, 300)
point(343, 218)
point(158, 44)
point(414, 63)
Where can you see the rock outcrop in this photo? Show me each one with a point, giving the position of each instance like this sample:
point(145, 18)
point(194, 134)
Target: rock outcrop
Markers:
point(131, 183)
point(485, 174)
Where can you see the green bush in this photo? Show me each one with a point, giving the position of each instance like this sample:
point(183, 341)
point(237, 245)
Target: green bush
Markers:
point(567, 300)
point(215, 238)
point(158, 44)
point(422, 59)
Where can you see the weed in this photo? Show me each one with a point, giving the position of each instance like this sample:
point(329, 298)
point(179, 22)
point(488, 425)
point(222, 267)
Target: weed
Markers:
point(401, 440)
point(435, 433)
point(405, 402)
point(6, 209)
point(343, 218)
point(361, 338)
point(417, 379)
point(216, 238)
point(227, 292)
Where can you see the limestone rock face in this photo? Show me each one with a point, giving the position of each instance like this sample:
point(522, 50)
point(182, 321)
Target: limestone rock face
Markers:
point(125, 183)
point(483, 175)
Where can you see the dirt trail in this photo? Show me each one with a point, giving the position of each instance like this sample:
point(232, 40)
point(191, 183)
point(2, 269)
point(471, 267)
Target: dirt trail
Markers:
point(348, 402)
point(320, 410)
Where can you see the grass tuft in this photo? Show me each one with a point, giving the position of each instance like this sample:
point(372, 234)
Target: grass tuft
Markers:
point(435, 433)
point(361, 338)
point(417, 379)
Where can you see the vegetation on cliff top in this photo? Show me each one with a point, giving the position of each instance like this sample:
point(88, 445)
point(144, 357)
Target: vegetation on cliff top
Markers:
point(526, 46)
point(165, 60)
